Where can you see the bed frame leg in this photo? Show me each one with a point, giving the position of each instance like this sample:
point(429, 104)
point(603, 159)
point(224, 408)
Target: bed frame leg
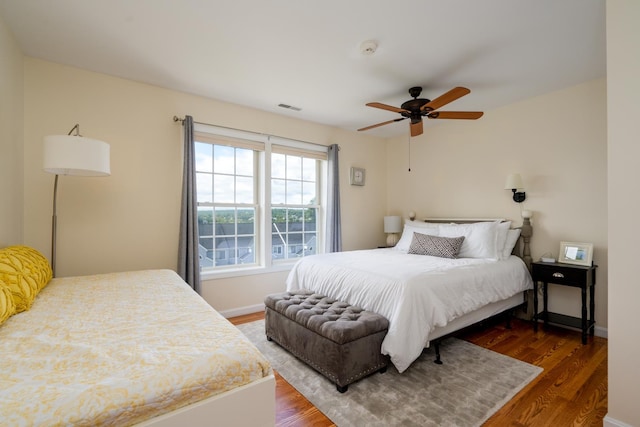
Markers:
point(509, 314)
point(436, 346)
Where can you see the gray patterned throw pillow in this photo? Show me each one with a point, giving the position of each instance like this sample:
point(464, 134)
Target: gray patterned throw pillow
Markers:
point(444, 247)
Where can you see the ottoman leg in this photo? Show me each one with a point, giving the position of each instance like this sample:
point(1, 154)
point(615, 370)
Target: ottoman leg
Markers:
point(342, 388)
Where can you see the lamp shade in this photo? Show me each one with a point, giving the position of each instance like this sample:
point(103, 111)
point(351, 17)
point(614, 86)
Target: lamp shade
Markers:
point(513, 181)
point(392, 224)
point(76, 155)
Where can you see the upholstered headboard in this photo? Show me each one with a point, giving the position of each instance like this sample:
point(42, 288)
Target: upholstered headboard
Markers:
point(522, 248)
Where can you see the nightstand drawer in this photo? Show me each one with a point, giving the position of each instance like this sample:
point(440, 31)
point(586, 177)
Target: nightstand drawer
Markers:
point(554, 273)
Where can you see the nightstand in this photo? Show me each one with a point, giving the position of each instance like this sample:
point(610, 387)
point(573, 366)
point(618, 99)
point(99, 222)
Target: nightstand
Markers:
point(576, 276)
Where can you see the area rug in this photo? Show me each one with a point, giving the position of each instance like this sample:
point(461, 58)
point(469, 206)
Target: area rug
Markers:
point(469, 387)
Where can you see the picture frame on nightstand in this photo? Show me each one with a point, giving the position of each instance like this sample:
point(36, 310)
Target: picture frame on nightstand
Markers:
point(576, 253)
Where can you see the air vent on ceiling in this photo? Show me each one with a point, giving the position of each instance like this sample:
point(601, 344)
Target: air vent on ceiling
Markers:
point(290, 107)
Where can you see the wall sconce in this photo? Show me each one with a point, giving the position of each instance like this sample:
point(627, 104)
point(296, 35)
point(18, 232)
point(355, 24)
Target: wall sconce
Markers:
point(514, 182)
point(392, 226)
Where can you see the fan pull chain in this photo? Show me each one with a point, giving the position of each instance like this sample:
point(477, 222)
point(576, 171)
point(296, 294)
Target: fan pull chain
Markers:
point(409, 141)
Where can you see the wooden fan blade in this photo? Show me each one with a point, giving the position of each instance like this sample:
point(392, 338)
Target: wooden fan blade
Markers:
point(452, 95)
point(465, 115)
point(382, 124)
point(386, 107)
point(416, 128)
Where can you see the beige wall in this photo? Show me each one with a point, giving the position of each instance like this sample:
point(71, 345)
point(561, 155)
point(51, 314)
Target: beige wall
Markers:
point(557, 142)
point(623, 70)
point(11, 125)
point(129, 220)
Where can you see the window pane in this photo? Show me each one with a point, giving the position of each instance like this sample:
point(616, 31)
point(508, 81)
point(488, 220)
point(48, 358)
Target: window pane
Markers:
point(246, 221)
point(225, 224)
point(294, 167)
point(296, 246)
point(244, 189)
point(225, 251)
point(294, 220)
point(294, 192)
point(278, 163)
point(309, 193)
point(244, 162)
point(245, 251)
point(205, 221)
point(204, 157)
point(205, 252)
point(223, 188)
point(310, 216)
point(278, 188)
point(223, 159)
point(310, 244)
point(204, 187)
point(309, 169)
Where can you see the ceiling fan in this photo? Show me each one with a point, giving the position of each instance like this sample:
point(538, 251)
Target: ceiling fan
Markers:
point(417, 108)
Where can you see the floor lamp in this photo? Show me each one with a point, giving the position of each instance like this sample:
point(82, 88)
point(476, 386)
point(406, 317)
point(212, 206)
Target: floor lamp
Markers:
point(72, 155)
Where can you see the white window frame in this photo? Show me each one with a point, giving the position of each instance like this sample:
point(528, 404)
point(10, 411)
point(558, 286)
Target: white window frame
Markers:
point(264, 257)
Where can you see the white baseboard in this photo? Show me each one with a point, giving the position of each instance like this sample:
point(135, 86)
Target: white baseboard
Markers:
point(241, 311)
point(612, 422)
point(598, 331)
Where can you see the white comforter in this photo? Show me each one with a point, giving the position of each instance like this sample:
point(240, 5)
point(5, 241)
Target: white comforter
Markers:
point(416, 293)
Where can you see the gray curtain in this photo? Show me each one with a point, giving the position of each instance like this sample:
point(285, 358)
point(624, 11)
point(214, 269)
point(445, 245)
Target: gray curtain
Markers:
point(188, 256)
point(334, 229)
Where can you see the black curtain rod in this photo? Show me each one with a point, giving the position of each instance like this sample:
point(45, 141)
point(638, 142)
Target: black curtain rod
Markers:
point(181, 120)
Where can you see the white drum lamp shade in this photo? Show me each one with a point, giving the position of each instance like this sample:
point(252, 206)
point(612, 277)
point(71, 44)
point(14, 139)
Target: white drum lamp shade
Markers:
point(392, 226)
point(76, 155)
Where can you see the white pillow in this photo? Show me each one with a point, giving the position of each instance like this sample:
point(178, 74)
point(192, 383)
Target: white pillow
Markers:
point(480, 239)
point(501, 237)
point(407, 233)
point(510, 243)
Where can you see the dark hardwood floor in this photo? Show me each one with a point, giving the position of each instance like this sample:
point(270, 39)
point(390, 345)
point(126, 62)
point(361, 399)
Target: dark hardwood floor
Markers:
point(572, 390)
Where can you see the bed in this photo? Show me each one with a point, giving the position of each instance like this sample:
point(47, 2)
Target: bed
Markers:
point(132, 348)
point(426, 296)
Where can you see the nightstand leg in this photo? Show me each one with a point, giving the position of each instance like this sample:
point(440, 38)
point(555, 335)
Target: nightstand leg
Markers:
point(545, 303)
point(584, 315)
point(592, 309)
point(535, 306)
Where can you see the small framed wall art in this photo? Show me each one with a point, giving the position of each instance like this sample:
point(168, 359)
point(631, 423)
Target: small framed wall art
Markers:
point(357, 176)
point(576, 253)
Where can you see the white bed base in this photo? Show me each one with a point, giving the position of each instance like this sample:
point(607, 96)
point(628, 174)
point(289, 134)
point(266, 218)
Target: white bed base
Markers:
point(253, 404)
point(476, 316)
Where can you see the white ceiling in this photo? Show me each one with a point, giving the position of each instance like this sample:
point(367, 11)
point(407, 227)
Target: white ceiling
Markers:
point(307, 53)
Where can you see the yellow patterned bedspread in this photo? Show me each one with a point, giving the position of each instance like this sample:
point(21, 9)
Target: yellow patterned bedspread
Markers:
point(117, 349)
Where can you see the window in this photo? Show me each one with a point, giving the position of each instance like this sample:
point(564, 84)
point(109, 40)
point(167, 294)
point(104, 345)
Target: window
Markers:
point(247, 218)
point(294, 205)
point(226, 185)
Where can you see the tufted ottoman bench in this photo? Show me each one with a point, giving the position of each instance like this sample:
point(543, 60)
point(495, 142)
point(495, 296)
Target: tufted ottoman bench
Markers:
point(340, 341)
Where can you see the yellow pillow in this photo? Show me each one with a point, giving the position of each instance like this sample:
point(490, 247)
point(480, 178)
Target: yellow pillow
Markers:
point(25, 271)
point(7, 305)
